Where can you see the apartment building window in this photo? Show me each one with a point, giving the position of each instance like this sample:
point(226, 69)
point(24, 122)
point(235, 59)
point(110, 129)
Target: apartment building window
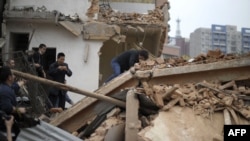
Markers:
point(246, 44)
point(233, 43)
point(233, 49)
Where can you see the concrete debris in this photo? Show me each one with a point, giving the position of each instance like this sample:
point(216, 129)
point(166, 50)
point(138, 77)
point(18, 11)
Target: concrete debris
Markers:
point(201, 101)
point(102, 132)
point(207, 104)
point(93, 9)
point(210, 57)
point(110, 16)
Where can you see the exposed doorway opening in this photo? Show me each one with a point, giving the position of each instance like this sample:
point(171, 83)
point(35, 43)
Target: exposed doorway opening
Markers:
point(19, 42)
point(1, 57)
point(106, 56)
point(151, 41)
point(48, 58)
point(2, 5)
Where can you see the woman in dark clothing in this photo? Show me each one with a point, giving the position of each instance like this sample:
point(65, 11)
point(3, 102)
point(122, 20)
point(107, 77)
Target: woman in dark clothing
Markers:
point(125, 60)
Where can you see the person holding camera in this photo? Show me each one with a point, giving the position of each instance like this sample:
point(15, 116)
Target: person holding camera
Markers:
point(8, 101)
point(57, 71)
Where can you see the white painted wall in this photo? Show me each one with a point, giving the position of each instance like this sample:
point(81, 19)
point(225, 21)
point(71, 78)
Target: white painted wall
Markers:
point(67, 7)
point(85, 75)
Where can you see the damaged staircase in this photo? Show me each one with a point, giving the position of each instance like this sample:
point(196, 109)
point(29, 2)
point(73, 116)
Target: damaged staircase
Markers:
point(205, 86)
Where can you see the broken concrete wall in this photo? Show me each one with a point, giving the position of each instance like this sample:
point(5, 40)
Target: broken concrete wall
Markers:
point(128, 7)
point(80, 50)
point(66, 7)
point(179, 124)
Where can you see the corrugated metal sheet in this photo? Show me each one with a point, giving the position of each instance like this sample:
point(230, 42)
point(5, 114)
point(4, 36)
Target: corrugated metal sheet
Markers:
point(45, 132)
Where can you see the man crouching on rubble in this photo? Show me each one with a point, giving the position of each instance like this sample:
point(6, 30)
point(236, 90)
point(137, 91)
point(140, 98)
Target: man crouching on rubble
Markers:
point(8, 101)
point(125, 61)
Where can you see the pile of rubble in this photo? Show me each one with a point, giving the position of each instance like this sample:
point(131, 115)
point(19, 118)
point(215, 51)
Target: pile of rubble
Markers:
point(210, 57)
point(210, 105)
point(205, 99)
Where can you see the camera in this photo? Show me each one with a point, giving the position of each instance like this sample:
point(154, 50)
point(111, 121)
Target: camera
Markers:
point(4, 115)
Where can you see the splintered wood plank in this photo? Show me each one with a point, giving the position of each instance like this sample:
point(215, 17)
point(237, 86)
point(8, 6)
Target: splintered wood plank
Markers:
point(158, 93)
point(235, 118)
point(169, 92)
point(227, 85)
point(132, 121)
point(171, 104)
point(147, 88)
point(158, 100)
point(227, 118)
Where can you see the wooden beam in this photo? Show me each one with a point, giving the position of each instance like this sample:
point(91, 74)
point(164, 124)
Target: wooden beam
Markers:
point(69, 88)
point(227, 118)
point(87, 105)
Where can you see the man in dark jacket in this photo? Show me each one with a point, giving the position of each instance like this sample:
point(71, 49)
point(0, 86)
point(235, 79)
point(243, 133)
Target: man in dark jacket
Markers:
point(8, 99)
point(125, 60)
point(57, 72)
point(38, 61)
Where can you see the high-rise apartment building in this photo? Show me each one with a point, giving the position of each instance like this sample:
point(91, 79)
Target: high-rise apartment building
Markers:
point(245, 39)
point(200, 41)
point(226, 38)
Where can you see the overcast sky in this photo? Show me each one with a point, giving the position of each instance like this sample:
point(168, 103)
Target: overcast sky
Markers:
point(203, 13)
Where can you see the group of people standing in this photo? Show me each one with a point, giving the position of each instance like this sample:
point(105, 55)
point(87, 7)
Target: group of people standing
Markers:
point(9, 87)
point(57, 72)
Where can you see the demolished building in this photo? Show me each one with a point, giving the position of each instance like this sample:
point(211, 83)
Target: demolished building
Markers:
point(165, 83)
point(172, 99)
point(84, 31)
